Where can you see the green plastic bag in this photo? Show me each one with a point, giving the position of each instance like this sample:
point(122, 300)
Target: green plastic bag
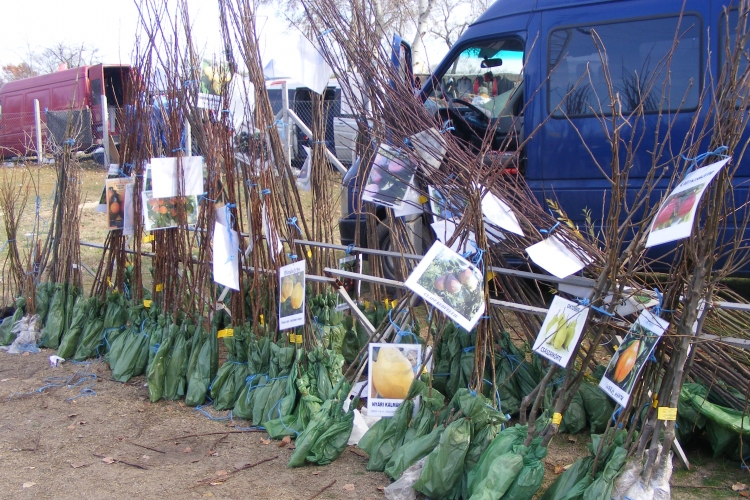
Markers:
point(223, 389)
point(501, 474)
point(387, 438)
point(156, 371)
point(72, 337)
point(43, 296)
point(603, 485)
point(568, 479)
point(598, 406)
point(133, 356)
point(529, 479)
point(332, 442)
point(410, 453)
point(444, 465)
point(307, 439)
point(200, 377)
point(91, 336)
point(270, 402)
point(502, 444)
point(6, 328)
point(574, 419)
point(175, 380)
point(55, 324)
point(243, 407)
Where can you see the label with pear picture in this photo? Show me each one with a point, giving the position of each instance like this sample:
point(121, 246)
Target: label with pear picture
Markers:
point(561, 331)
point(292, 295)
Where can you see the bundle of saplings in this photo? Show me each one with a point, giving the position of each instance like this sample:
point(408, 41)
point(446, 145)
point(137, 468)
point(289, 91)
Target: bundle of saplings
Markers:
point(258, 361)
point(128, 354)
point(277, 397)
point(199, 367)
point(157, 366)
point(58, 315)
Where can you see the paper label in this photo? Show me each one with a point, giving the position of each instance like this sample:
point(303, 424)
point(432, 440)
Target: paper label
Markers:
point(148, 238)
point(227, 332)
point(557, 418)
point(666, 413)
point(159, 287)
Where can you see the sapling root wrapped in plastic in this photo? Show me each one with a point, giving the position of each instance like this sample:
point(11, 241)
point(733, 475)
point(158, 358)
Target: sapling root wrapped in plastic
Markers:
point(230, 379)
point(444, 465)
point(91, 336)
point(6, 327)
point(72, 337)
point(55, 325)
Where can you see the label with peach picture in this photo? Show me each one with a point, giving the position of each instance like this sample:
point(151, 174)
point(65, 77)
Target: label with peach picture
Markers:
point(163, 213)
point(674, 220)
point(390, 178)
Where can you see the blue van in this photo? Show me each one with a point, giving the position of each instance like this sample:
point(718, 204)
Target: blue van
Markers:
point(521, 58)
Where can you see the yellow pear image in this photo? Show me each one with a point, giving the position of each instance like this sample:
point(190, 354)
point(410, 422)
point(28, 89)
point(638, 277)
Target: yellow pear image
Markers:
point(297, 294)
point(392, 373)
point(286, 288)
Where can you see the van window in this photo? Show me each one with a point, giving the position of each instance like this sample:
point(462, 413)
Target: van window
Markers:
point(484, 74)
point(96, 92)
point(635, 51)
point(728, 23)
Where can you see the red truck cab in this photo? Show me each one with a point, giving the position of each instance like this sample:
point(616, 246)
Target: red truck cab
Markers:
point(79, 89)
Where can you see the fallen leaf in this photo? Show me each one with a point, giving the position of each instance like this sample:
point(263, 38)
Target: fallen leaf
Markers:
point(213, 454)
point(380, 488)
point(744, 494)
point(30, 467)
point(140, 411)
point(82, 422)
point(26, 353)
point(739, 487)
point(559, 469)
point(194, 461)
point(348, 487)
point(285, 441)
point(208, 494)
point(217, 483)
point(28, 485)
point(292, 447)
point(108, 460)
point(187, 450)
point(240, 465)
point(78, 465)
point(315, 473)
point(4, 380)
point(265, 441)
point(71, 427)
point(72, 415)
point(221, 473)
point(146, 457)
point(181, 404)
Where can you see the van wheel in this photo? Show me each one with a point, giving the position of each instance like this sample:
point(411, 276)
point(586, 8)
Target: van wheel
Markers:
point(385, 242)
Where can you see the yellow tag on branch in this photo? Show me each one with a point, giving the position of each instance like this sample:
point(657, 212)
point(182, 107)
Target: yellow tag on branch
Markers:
point(367, 304)
point(666, 413)
point(655, 404)
point(159, 287)
point(146, 303)
point(261, 319)
point(295, 339)
point(490, 275)
point(423, 199)
point(148, 238)
point(309, 254)
point(557, 418)
point(227, 332)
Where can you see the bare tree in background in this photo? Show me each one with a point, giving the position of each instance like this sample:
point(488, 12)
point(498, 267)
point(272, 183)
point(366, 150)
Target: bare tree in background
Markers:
point(49, 60)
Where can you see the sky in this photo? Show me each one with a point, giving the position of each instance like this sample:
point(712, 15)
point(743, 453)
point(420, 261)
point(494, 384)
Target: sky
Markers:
point(111, 26)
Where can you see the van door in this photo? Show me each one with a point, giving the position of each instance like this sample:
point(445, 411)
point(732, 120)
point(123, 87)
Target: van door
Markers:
point(571, 147)
point(95, 93)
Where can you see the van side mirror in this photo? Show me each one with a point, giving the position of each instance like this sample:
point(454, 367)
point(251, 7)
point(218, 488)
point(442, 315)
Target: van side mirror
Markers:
point(492, 63)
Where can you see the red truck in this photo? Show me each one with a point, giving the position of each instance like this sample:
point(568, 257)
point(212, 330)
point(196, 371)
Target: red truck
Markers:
point(79, 89)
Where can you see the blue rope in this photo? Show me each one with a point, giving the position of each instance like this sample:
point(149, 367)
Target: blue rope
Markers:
point(658, 309)
point(200, 409)
point(292, 221)
point(349, 248)
point(324, 33)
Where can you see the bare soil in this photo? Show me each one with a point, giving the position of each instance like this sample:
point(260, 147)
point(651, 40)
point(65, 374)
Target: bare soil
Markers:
point(114, 443)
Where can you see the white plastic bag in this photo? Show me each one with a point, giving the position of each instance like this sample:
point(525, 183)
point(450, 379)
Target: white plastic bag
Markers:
point(402, 489)
point(661, 479)
point(28, 333)
point(629, 475)
point(358, 430)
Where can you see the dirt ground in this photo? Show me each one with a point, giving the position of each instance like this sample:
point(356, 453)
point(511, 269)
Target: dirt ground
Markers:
point(61, 443)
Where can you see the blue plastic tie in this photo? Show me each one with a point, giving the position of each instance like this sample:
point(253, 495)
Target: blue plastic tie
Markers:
point(658, 309)
point(178, 149)
point(265, 191)
point(324, 33)
point(292, 221)
point(292, 256)
point(349, 248)
point(69, 142)
point(549, 231)
point(698, 159)
point(587, 303)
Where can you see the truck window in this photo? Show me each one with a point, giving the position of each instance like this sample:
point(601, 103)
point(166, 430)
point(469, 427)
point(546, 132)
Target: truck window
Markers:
point(485, 74)
point(635, 51)
point(728, 24)
point(96, 92)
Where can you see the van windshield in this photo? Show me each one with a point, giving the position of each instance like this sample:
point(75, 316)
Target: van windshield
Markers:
point(485, 74)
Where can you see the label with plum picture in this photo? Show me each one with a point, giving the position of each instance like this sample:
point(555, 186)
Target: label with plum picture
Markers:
point(674, 220)
point(451, 283)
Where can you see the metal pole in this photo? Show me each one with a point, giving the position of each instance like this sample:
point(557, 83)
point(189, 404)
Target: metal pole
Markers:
point(287, 130)
point(105, 130)
point(38, 127)
point(306, 130)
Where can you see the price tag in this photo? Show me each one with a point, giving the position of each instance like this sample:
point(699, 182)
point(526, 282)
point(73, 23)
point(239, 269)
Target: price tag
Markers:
point(295, 339)
point(557, 418)
point(666, 413)
point(148, 238)
point(146, 303)
point(423, 199)
point(227, 332)
point(159, 287)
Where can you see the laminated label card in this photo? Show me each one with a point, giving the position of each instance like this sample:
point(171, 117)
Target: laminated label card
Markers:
point(162, 213)
point(451, 283)
point(292, 295)
point(118, 202)
point(497, 212)
point(164, 176)
point(561, 330)
point(392, 369)
point(430, 146)
point(226, 256)
point(390, 177)
point(555, 257)
point(674, 221)
point(628, 360)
